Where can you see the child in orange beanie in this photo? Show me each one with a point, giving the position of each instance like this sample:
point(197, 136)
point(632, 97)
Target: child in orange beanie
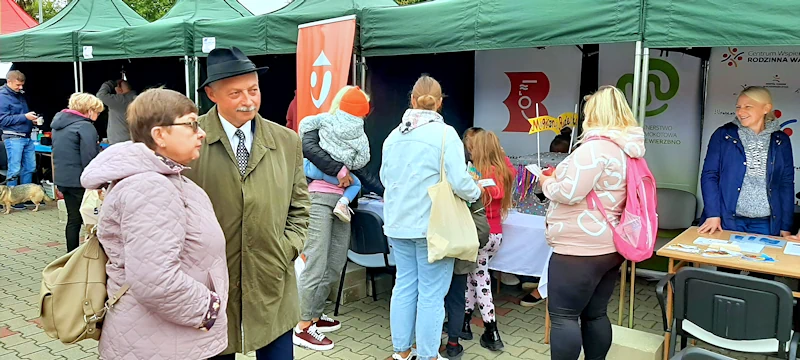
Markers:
point(341, 133)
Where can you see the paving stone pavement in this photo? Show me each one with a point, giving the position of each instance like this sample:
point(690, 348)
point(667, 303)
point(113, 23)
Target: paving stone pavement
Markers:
point(28, 241)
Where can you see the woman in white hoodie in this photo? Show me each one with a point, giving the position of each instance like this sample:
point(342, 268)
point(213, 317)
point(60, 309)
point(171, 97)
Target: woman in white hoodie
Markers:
point(410, 165)
point(585, 263)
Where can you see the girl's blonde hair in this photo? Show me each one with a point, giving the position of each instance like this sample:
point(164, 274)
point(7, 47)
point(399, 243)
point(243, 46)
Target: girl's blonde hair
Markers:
point(337, 100)
point(83, 103)
point(427, 93)
point(490, 159)
point(762, 95)
point(607, 109)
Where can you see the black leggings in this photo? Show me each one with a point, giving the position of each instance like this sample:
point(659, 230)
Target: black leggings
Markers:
point(73, 198)
point(580, 287)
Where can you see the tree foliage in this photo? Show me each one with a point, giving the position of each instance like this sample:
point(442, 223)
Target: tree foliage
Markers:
point(49, 8)
point(151, 10)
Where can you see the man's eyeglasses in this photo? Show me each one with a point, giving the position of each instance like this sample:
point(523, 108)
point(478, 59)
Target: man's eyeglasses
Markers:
point(193, 124)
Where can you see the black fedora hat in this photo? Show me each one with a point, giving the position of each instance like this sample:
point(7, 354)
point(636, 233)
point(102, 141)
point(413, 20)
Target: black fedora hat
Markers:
point(224, 63)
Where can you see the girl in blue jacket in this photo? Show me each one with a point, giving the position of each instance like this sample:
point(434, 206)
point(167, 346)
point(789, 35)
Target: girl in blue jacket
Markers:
point(748, 174)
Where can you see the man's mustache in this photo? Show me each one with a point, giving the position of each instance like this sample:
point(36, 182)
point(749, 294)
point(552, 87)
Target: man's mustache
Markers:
point(246, 109)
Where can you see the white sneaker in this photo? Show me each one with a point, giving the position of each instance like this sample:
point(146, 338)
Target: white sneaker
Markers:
point(342, 211)
point(530, 286)
point(509, 279)
point(411, 356)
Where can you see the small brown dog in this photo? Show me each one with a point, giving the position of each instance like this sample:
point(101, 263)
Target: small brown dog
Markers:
point(13, 195)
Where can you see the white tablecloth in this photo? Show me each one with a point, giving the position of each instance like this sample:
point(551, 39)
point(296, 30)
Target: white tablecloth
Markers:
point(524, 250)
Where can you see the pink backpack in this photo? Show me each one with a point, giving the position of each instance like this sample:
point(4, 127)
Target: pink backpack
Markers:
point(635, 236)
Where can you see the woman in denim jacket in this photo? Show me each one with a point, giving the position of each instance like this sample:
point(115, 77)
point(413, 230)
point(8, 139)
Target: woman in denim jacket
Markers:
point(748, 174)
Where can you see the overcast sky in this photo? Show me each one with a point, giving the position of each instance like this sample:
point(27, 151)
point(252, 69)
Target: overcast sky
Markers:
point(259, 7)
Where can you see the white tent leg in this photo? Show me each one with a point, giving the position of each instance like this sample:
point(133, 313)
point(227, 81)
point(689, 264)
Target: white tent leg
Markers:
point(75, 72)
point(643, 91)
point(353, 70)
point(196, 81)
point(364, 73)
point(637, 69)
point(80, 75)
point(186, 74)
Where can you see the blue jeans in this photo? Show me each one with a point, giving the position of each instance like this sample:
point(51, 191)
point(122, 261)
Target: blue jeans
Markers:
point(313, 172)
point(753, 226)
point(21, 160)
point(418, 298)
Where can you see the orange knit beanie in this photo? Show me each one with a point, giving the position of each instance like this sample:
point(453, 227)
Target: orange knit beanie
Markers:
point(355, 103)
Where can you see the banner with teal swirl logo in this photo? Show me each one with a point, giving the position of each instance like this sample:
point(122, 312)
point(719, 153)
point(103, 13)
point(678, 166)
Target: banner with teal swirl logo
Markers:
point(672, 112)
point(654, 82)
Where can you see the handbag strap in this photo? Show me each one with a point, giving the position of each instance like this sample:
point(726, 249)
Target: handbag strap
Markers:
point(442, 174)
point(114, 298)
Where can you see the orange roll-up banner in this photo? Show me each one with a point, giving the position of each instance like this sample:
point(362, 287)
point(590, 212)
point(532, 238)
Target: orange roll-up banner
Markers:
point(324, 55)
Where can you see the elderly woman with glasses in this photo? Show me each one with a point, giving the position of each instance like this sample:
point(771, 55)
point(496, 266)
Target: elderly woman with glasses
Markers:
point(162, 238)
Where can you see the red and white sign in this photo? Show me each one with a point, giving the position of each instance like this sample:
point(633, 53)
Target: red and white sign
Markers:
point(324, 53)
point(510, 83)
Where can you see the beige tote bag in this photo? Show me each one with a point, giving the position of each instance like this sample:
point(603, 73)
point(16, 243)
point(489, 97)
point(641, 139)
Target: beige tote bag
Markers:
point(451, 231)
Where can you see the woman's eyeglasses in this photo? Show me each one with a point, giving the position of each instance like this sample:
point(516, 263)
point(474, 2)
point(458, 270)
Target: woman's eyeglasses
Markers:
point(193, 124)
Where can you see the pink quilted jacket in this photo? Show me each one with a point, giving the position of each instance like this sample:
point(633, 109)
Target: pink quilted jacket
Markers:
point(162, 238)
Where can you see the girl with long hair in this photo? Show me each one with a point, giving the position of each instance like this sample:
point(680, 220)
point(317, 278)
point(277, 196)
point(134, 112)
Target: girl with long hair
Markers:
point(491, 162)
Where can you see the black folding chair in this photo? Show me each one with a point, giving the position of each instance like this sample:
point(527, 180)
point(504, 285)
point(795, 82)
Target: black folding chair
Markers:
point(369, 248)
point(729, 311)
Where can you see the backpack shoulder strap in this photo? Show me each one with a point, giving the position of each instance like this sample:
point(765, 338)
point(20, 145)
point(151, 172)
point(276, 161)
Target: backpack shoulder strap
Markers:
point(594, 203)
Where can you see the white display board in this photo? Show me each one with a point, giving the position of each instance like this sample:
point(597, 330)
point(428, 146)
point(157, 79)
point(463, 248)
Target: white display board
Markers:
point(509, 84)
point(672, 122)
point(733, 68)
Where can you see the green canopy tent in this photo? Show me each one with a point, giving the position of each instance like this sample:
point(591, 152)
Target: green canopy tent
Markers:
point(439, 37)
point(55, 40)
point(276, 32)
point(711, 23)
point(468, 25)
point(172, 35)
point(282, 24)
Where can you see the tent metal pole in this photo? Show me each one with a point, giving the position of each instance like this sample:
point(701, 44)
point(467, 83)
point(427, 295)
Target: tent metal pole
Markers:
point(196, 80)
point(637, 69)
point(80, 75)
point(363, 73)
point(355, 61)
point(643, 91)
point(75, 73)
point(186, 74)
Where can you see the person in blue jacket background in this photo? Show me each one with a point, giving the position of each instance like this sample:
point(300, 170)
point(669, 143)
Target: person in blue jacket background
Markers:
point(16, 122)
point(748, 173)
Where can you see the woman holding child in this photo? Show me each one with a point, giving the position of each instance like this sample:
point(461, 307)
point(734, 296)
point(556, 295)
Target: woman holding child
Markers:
point(341, 136)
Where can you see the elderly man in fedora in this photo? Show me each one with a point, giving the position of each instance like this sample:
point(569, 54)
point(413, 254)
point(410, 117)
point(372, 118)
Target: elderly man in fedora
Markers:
point(252, 169)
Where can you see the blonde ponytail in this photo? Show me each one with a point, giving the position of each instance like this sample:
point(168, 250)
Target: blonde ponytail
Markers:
point(427, 93)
